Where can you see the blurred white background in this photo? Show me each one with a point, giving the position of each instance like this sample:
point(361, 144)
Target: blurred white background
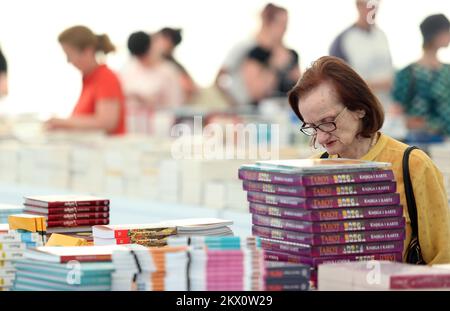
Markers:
point(41, 80)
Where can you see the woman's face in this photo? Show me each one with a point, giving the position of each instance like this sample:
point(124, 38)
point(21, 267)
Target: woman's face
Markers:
point(322, 105)
point(78, 58)
point(442, 40)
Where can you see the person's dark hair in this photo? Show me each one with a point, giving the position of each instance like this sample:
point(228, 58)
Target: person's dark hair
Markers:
point(270, 12)
point(139, 43)
point(432, 26)
point(82, 37)
point(351, 89)
point(172, 34)
point(260, 54)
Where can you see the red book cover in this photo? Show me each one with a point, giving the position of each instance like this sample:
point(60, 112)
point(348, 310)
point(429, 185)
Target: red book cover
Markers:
point(325, 202)
point(77, 222)
point(327, 214)
point(65, 210)
point(65, 201)
point(322, 191)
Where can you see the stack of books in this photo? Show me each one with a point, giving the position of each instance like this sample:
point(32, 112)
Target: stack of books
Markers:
point(382, 275)
point(156, 234)
point(6, 210)
point(150, 269)
point(286, 276)
point(78, 268)
point(320, 211)
point(13, 244)
point(224, 263)
point(69, 213)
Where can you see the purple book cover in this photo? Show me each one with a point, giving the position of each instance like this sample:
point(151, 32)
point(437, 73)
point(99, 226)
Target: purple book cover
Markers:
point(331, 250)
point(322, 191)
point(327, 214)
point(314, 262)
point(329, 238)
point(330, 226)
point(316, 179)
point(326, 202)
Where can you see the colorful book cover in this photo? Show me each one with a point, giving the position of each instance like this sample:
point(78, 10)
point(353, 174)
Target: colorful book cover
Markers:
point(33, 223)
point(330, 226)
point(65, 200)
point(57, 239)
point(322, 191)
point(326, 202)
point(329, 239)
point(53, 217)
point(331, 250)
point(318, 179)
point(327, 214)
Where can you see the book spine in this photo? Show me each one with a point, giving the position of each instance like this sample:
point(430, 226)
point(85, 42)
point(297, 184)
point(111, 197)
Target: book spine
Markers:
point(124, 240)
point(286, 272)
point(349, 178)
point(287, 287)
point(19, 237)
point(322, 191)
point(77, 223)
point(329, 227)
point(317, 179)
point(329, 239)
point(71, 210)
point(85, 258)
point(77, 203)
point(326, 214)
point(432, 281)
point(332, 250)
point(53, 217)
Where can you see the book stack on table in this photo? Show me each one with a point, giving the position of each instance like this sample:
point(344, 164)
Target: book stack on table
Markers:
point(69, 214)
point(325, 210)
point(13, 244)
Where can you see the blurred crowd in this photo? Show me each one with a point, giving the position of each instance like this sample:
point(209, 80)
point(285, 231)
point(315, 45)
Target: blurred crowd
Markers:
point(416, 99)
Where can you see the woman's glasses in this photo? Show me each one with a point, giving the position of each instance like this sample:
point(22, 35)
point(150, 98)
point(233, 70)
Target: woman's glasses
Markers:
point(327, 127)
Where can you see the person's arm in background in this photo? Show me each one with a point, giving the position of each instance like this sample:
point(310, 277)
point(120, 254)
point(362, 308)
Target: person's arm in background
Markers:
point(106, 118)
point(432, 209)
point(3, 75)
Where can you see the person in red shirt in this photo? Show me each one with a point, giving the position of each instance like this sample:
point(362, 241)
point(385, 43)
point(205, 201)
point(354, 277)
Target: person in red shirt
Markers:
point(101, 105)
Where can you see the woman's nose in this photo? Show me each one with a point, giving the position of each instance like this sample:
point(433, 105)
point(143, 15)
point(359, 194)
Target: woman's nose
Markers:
point(322, 137)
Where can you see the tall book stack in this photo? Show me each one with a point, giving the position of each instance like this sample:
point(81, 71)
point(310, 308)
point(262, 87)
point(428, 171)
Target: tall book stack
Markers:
point(156, 234)
point(6, 210)
point(13, 244)
point(320, 211)
point(69, 213)
point(224, 263)
point(382, 275)
point(77, 268)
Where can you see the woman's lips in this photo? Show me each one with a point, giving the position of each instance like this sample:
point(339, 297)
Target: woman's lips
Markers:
point(330, 144)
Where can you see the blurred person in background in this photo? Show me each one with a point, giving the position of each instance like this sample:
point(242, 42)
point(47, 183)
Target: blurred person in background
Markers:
point(164, 43)
point(423, 87)
point(101, 105)
point(3, 75)
point(150, 83)
point(364, 46)
point(284, 61)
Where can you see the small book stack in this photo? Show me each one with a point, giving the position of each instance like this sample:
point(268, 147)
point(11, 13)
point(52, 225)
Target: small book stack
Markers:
point(156, 234)
point(382, 275)
point(325, 210)
point(70, 214)
point(6, 210)
point(77, 268)
point(140, 268)
point(13, 244)
point(286, 276)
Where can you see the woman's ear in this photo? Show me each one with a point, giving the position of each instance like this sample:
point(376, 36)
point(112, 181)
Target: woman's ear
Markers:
point(361, 113)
